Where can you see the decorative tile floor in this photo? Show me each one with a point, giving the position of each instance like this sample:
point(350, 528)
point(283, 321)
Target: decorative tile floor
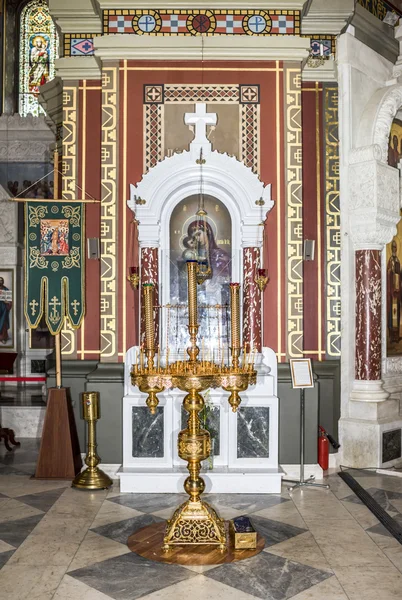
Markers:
point(64, 544)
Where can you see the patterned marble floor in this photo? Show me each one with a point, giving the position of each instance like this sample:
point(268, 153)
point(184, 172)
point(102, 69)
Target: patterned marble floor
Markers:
point(65, 544)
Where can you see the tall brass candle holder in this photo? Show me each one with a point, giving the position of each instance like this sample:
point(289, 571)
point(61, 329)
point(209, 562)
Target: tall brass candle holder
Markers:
point(194, 522)
point(92, 478)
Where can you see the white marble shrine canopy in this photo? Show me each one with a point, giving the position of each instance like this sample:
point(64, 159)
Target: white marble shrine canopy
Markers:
point(178, 177)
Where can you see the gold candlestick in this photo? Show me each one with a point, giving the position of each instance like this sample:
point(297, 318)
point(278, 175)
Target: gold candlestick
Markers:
point(149, 323)
point(92, 478)
point(193, 351)
point(235, 323)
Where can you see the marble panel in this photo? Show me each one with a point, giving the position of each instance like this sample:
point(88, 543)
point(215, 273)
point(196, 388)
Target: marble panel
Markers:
point(27, 422)
point(16, 532)
point(149, 503)
point(330, 589)
point(14, 485)
point(362, 514)
point(353, 545)
point(121, 531)
point(368, 315)
point(61, 527)
point(130, 576)
point(73, 589)
point(268, 577)
point(96, 548)
point(302, 549)
point(12, 509)
point(4, 547)
point(4, 556)
point(148, 432)
point(253, 432)
point(201, 589)
point(374, 582)
point(285, 512)
point(391, 445)
point(38, 366)
point(30, 583)
point(247, 503)
point(42, 501)
point(38, 551)
point(384, 498)
point(395, 556)
point(319, 505)
point(210, 420)
point(274, 532)
point(8, 470)
point(112, 513)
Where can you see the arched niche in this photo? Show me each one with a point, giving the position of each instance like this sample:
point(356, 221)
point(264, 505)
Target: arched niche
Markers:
point(223, 177)
point(208, 239)
point(154, 199)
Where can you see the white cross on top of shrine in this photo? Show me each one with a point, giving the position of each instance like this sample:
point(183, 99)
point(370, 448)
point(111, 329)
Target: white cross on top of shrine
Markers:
point(200, 118)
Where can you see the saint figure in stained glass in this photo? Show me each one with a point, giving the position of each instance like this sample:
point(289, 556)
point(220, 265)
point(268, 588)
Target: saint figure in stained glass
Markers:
point(38, 50)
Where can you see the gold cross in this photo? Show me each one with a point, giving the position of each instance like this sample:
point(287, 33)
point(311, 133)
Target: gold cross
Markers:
point(75, 306)
point(54, 303)
point(33, 306)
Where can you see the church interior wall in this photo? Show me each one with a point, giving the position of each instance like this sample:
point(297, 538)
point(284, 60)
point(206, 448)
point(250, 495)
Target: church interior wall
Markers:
point(293, 145)
point(136, 154)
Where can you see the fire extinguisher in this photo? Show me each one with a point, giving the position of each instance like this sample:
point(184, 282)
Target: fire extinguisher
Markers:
point(323, 448)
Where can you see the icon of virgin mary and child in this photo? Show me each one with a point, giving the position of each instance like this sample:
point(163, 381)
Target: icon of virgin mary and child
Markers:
point(200, 245)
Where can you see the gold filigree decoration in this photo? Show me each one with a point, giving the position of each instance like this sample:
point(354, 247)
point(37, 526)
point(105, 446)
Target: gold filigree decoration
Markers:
point(195, 523)
point(36, 260)
point(73, 213)
point(73, 259)
point(36, 213)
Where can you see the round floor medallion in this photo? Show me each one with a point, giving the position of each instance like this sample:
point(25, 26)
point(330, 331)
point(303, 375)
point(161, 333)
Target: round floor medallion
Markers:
point(147, 542)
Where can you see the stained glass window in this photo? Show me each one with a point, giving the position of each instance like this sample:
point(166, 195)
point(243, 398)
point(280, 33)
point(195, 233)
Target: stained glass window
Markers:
point(38, 50)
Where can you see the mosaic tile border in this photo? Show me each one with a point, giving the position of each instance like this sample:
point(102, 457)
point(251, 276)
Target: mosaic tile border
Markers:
point(109, 210)
point(321, 44)
point(205, 22)
point(69, 181)
point(294, 211)
point(332, 221)
point(79, 44)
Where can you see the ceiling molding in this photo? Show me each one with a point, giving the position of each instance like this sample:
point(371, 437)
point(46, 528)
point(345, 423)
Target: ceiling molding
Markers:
point(74, 68)
point(248, 48)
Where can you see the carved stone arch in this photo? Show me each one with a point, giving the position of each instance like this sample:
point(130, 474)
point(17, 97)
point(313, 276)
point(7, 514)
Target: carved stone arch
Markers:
point(177, 177)
point(376, 121)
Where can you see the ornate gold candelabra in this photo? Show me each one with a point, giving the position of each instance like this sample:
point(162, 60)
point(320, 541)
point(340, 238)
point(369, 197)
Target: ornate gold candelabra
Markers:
point(194, 522)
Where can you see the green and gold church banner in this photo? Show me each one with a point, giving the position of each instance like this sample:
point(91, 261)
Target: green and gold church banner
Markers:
point(54, 264)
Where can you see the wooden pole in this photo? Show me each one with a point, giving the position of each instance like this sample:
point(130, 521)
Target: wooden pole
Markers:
point(58, 335)
point(57, 339)
point(56, 174)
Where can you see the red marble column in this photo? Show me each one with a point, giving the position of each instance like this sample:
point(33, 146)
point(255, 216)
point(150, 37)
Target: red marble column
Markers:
point(252, 331)
point(368, 315)
point(150, 274)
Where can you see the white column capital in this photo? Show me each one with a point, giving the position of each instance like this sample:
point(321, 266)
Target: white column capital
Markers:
point(374, 205)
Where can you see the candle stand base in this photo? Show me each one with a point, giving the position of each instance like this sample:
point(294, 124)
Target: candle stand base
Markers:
point(147, 542)
point(195, 523)
point(92, 479)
